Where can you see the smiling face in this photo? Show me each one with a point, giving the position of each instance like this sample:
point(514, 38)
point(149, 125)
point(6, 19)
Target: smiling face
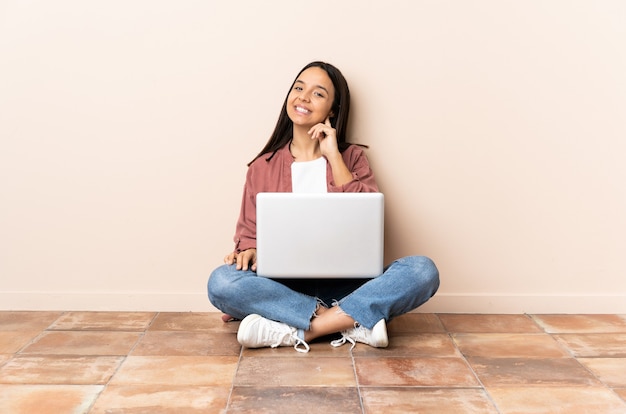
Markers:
point(311, 98)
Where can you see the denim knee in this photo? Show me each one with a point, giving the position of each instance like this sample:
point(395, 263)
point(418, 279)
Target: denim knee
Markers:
point(424, 271)
point(218, 284)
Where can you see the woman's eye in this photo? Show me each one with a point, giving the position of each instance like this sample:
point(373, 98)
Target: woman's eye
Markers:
point(321, 95)
point(297, 88)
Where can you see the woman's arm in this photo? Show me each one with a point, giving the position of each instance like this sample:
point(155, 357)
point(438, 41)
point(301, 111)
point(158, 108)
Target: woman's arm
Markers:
point(362, 178)
point(350, 170)
point(341, 173)
point(245, 232)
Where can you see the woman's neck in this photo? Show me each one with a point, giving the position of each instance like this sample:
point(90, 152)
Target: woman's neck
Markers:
point(303, 148)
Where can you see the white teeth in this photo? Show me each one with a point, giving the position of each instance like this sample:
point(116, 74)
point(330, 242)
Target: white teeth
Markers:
point(302, 110)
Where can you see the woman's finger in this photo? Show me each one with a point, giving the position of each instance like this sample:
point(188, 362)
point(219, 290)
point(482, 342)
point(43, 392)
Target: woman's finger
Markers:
point(321, 131)
point(229, 258)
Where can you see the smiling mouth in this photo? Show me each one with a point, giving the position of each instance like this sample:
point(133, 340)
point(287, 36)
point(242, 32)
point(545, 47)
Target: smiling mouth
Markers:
point(302, 110)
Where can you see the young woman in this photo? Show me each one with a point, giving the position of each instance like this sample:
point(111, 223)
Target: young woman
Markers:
point(308, 152)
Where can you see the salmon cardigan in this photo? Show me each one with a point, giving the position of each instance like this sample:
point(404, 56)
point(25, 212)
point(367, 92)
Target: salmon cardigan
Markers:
point(274, 176)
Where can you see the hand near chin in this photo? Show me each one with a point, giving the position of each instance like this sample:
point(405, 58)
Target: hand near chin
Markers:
point(327, 137)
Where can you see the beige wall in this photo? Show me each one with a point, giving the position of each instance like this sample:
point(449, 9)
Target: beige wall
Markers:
point(497, 132)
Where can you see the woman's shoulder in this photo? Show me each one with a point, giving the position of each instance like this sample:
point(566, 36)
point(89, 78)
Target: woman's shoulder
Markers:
point(354, 150)
point(268, 159)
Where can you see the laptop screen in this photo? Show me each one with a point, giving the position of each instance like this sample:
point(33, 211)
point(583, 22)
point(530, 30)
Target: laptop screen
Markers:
point(327, 235)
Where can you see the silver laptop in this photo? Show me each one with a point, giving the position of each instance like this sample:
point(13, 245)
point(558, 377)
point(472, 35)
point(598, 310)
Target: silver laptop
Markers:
point(328, 235)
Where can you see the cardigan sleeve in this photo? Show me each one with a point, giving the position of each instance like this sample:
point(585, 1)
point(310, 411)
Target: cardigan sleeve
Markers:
point(363, 180)
point(245, 233)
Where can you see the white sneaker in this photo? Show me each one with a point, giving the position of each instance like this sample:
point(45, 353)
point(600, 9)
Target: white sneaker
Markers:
point(256, 331)
point(376, 337)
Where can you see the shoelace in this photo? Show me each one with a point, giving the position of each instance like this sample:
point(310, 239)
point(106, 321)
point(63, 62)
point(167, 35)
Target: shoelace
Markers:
point(306, 348)
point(285, 339)
point(353, 335)
point(344, 338)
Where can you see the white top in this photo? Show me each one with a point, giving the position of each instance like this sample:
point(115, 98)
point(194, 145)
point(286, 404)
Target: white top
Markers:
point(309, 176)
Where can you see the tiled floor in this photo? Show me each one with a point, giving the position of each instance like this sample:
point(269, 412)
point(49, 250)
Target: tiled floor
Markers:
point(150, 363)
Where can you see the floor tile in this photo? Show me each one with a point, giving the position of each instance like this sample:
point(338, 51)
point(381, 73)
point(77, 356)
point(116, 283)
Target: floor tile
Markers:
point(47, 399)
point(426, 401)
point(103, 321)
point(26, 320)
point(479, 323)
point(621, 392)
point(13, 341)
point(415, 323)
point(582, 323)
point(432, 345)
point(83, 343)
point(192, 321)
point(531, 371)
point(176, 370)
point(505, 345)
point(319, 349)
point(295, 371)
point(187, 343)
point(161, 399)
point(59, 370)
point(289, 400)
point(558, 400)
point(425, 372)
point(4, 358)
point(594, 345)
point(611, 371)
point(184, 362)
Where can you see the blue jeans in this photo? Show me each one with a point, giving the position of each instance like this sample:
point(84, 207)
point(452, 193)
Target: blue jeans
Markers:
point(404, 285)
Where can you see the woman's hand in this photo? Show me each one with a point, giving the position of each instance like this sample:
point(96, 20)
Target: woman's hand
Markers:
point(327, 137)
point(244, 260)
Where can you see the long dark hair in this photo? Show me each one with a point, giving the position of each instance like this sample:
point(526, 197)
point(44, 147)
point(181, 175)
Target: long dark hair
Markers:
point(340, 108)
